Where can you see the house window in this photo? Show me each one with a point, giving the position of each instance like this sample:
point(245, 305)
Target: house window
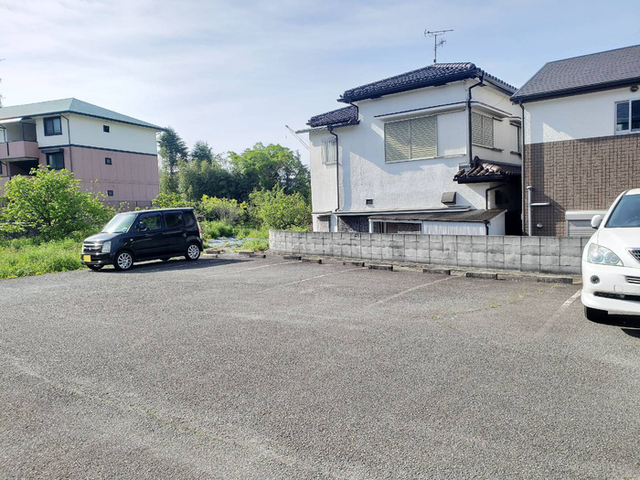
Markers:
point(55, 160)
point(52, 126)
point(109, 193)
point(628, 115)
point(481, 130)
point(105, 128)
point(411, 139)
point(107, 161)
point(329, 151)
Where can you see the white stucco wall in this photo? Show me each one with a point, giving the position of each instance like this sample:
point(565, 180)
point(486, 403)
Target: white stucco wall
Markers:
point(414, 184)
point(580, 116)
point(87, 131)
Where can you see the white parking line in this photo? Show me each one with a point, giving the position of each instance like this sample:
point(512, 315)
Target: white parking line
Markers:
point(547, 326)
point(311, 278)
point(411, 290)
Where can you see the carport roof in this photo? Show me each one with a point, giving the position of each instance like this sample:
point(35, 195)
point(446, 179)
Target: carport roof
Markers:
point(473, 216)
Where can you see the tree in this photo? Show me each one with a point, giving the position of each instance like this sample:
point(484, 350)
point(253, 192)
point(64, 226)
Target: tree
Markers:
point(202, 151)
point(52, 203)
point(173, 150)
point(268, 167)
point(275, 209)
point(200, 178)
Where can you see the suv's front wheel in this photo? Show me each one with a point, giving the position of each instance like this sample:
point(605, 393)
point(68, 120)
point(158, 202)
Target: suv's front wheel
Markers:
point(123, 260)
point(193, 252)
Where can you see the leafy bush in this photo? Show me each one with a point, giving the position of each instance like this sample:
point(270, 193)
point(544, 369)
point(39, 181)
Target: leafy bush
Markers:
point(275, 209)
point(252, 232)
point(216, 229)
point(170, 200)
point(51, 203)
point(227, 209)
point(32, 256)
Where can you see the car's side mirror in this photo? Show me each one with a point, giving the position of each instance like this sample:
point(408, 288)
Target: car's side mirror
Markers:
point(142, 226)
point(596, 221)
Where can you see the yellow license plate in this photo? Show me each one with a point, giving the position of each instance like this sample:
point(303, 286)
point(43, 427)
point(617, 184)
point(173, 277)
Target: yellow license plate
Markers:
point(86, 258)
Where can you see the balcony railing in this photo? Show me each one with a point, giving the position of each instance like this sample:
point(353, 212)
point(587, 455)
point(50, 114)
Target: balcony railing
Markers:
point(20, 150)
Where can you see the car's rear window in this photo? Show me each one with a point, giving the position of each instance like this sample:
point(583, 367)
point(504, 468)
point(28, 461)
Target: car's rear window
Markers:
point(189, 219)
point(626, 214)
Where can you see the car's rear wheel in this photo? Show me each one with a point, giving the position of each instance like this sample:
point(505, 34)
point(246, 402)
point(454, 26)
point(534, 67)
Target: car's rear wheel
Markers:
point(95, 268)
point(596, 315)
point(123, 261)
point(193, 252)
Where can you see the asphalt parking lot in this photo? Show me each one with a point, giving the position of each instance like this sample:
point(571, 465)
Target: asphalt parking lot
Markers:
point(239, 368)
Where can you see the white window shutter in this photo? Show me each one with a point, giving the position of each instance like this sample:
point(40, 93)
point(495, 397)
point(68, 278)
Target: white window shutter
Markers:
point(424, 137)
point(397, 141)
point(476, 128)
point(487, 131)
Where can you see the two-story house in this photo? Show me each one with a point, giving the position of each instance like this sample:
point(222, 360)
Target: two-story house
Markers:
point(434, 150)
point(582, 139)
point(111, 153)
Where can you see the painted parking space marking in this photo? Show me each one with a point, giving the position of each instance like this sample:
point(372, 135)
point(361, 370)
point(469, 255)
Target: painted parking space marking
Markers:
point(312, 278)
point(409, 290)
point(563, 308)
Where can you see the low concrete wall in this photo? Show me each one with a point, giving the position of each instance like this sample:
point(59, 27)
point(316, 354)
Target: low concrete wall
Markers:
point(529, 254)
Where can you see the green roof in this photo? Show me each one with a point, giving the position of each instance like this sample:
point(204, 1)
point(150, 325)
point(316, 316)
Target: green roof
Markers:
point(70, 105)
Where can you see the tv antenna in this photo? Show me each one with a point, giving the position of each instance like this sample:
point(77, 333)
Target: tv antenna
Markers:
point(436, 43)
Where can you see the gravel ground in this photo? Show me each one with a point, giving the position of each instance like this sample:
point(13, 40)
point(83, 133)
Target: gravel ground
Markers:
point(239, 368)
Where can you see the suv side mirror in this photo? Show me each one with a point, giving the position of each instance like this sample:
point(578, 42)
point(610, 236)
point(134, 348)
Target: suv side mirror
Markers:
point(142, 226)
point(596, 221)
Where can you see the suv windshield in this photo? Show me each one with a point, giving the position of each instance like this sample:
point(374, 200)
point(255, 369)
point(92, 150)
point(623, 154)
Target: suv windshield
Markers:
point(626, 214)
point(120, 223)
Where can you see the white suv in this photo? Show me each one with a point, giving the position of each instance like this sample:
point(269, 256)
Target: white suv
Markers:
point(611, 260)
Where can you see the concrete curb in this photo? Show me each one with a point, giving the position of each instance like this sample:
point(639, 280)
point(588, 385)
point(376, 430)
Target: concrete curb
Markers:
point(482, 275)
point(311, 260)
point(246, 253)
point(440, 271)
point(550, 279)
point(211, 251)
point(291, 257)
point(388, 268)
point(355, 264)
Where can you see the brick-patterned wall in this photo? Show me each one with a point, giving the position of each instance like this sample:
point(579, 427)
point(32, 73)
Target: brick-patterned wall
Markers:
point(586, 174)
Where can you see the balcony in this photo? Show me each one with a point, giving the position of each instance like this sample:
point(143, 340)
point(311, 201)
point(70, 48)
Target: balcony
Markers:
point(19, 151)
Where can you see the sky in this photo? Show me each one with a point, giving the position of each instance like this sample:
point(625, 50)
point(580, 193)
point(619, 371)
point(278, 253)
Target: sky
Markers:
point(233, 73)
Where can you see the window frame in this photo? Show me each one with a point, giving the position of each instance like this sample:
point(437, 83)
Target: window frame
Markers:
point(108, 161)
point(106, 128)
point(109, 193)
point(52, 119)
point(409, 120)
point(629, 130)
point(328, 151)
point(50, 154)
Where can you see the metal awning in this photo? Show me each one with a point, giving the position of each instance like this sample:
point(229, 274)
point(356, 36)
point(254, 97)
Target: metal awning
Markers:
point(10, 120)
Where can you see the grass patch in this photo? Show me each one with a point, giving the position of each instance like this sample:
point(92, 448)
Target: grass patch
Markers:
point(255, 244)
point(23, 257)
point(216, 229)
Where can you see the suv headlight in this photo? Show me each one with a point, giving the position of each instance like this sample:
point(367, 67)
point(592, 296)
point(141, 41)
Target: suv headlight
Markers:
point(106, 247)
point(602, 256)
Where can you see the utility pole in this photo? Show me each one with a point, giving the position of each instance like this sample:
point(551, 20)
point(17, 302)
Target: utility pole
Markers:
point(435, 34)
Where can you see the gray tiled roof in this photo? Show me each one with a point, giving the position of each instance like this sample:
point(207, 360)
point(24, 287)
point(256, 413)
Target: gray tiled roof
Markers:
point(70, 105)
point(437, 74)
point(346, 115)
point(582, 74)
point(486, 171)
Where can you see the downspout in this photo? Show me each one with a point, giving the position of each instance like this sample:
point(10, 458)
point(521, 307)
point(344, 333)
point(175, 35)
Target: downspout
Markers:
point(69, 137)
point(337, 175)
point(523, 166)
point(529, 195)
point(480, 83)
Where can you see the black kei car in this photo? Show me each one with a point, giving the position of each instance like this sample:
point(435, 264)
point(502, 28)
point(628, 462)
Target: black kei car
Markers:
point(144, 235)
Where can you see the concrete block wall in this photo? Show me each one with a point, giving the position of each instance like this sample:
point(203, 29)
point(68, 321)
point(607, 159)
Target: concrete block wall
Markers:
point(529, 254)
